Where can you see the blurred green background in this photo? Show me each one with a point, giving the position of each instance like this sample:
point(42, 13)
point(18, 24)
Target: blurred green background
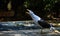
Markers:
point(15, 10)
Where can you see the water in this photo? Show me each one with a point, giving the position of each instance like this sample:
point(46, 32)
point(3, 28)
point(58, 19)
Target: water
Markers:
point(24, 28)
point(17, 25)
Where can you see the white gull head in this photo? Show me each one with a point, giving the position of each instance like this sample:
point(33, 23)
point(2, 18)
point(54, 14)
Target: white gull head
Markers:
point(34, 17)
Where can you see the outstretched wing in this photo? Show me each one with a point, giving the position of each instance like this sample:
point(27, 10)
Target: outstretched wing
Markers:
point(44, 24)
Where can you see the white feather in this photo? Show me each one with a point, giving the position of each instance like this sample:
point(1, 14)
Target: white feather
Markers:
point(34, 17)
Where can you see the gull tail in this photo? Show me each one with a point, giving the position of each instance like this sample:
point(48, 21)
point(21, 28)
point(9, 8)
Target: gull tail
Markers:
point(52, 29)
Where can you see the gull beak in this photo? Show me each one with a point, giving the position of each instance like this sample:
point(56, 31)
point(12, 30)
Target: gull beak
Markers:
point(27, 11)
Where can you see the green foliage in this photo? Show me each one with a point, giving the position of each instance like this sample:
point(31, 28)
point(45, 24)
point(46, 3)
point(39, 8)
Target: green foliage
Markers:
point(45, 7)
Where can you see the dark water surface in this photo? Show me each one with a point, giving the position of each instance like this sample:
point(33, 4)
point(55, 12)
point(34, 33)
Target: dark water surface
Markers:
point(23, 28)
